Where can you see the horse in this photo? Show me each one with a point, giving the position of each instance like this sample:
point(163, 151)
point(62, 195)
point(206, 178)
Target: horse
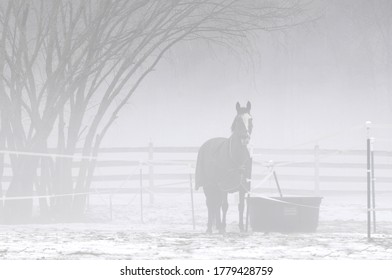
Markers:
point(224, 166)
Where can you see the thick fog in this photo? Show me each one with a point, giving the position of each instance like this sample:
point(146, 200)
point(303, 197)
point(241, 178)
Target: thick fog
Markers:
point(310, 84)
point(312, 80)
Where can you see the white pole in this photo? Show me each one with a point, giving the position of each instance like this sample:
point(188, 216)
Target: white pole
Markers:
point(373, 191)
point(368, 171)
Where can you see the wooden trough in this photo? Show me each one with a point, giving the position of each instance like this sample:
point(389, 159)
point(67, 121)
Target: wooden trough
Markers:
point(284, 214)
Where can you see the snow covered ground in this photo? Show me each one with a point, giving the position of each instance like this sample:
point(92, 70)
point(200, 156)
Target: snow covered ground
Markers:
point(167, 233)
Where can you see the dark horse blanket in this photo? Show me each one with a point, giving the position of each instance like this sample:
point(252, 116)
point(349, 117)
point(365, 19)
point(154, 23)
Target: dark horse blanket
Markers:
point(217, 167)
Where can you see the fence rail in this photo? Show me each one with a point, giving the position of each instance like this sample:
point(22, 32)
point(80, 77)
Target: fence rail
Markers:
point(311, 169)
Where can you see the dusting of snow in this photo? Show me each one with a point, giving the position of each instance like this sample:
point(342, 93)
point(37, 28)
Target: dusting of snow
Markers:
point(167, 233)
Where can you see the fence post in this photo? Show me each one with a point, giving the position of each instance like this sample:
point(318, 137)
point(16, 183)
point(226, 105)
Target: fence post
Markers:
point(111, 207)
point(317, 169)
point(141, 192)
point(191, 192)
point(151, 171)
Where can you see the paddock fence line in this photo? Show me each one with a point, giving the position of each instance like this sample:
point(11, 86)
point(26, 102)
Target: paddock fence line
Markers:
point(167, 169)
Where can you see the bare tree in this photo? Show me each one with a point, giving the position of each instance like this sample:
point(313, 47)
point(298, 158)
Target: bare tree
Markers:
point(68, 68)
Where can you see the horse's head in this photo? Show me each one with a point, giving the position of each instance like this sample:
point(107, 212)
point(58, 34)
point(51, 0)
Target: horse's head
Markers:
point(242, 125)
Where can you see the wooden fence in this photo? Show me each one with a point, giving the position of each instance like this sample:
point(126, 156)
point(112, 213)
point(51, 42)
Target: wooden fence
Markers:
point(168, 169)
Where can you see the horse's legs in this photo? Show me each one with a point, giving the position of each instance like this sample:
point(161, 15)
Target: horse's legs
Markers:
point(211, 206)
point(241, 206)
point(217, 211)
point(225, 206)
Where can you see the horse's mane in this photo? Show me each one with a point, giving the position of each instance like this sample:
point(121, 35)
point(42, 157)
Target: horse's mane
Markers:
point(234, 123)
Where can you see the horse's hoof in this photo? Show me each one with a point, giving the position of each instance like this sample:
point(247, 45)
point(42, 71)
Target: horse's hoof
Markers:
point(242, 228)
point(209, 231)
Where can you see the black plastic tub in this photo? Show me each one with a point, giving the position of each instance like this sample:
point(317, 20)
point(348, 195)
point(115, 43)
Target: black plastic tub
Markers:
point(284, 214)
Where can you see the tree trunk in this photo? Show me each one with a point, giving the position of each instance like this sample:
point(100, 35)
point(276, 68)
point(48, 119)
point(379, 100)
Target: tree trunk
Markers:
point(62, 189)
point(62, 178)
point(44, 187)
point(19, 205)
point(85, 175)
point(18, 209)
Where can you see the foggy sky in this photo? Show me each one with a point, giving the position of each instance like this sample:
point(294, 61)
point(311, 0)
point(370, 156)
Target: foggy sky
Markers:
point(304, 83)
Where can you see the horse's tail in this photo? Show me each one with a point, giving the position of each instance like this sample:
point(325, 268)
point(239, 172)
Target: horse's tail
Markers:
point(206, 173)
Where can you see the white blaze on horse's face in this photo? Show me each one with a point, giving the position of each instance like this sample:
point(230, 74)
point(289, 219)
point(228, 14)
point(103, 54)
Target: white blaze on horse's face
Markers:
point(246, 119)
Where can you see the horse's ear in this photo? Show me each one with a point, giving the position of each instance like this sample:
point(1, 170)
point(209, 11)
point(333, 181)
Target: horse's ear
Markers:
point(248, 106)
point(238, 107)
